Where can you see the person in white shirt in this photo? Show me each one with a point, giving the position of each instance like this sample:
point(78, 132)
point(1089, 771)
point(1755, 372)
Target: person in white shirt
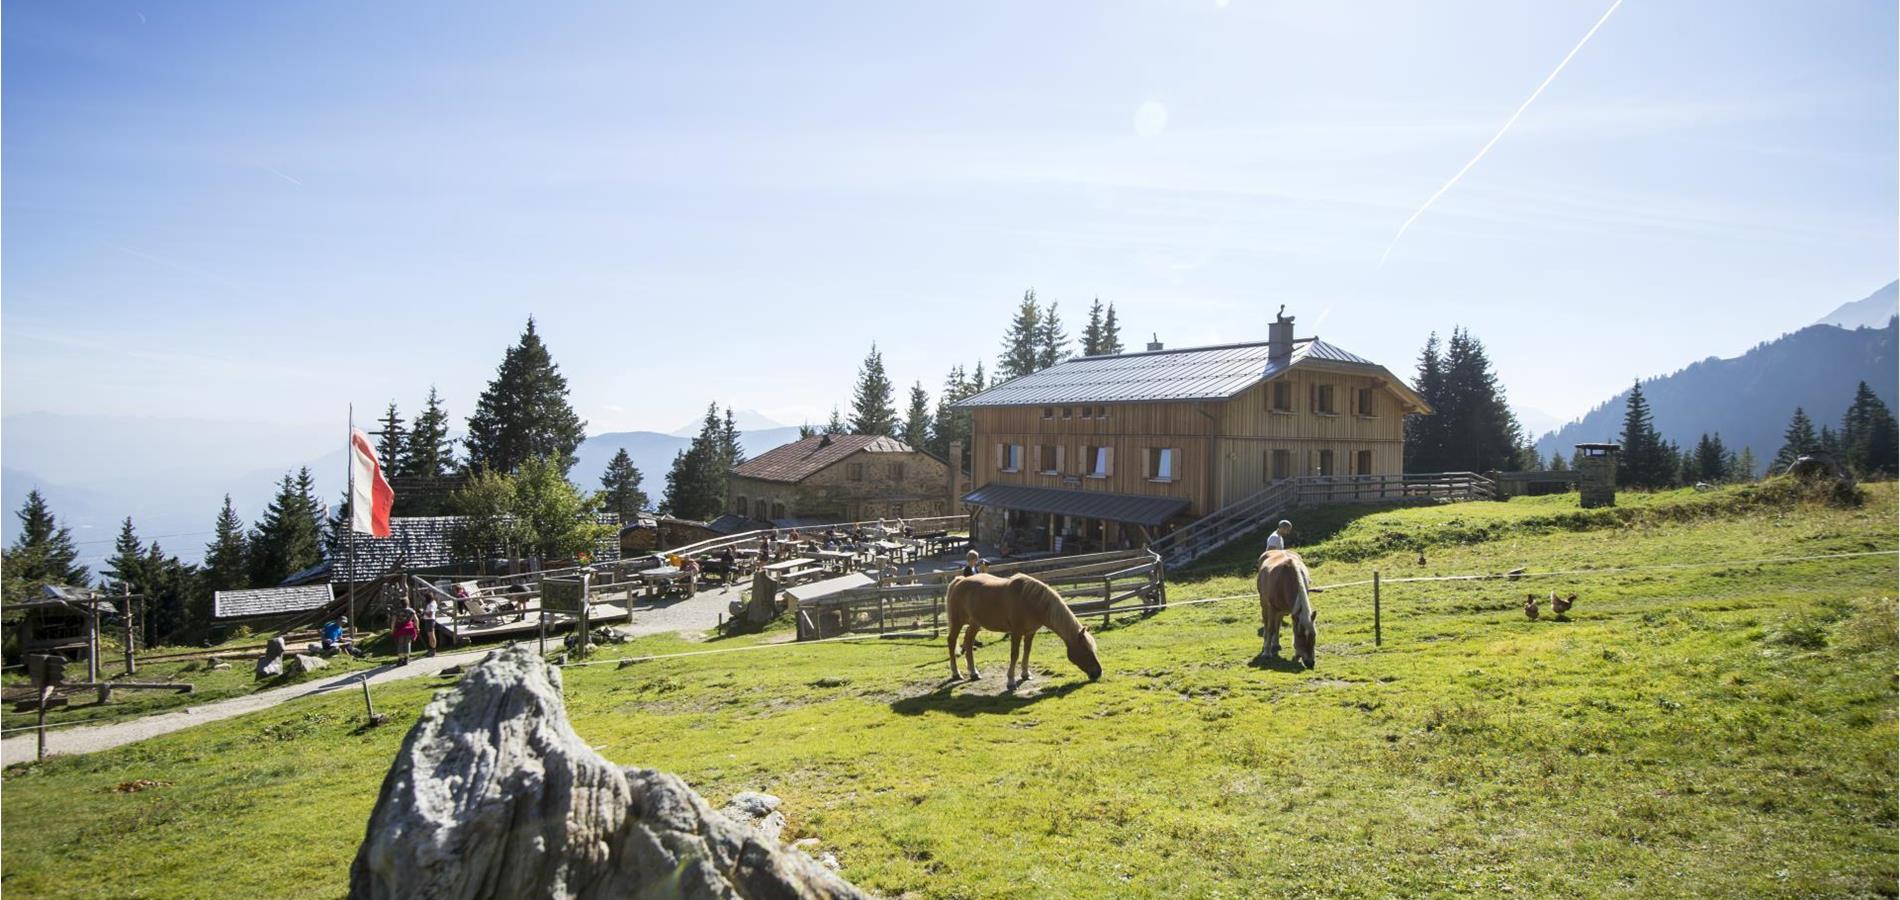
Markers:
point(1277, 540)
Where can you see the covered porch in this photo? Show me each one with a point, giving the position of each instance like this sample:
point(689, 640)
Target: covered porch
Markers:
point(1027, 519)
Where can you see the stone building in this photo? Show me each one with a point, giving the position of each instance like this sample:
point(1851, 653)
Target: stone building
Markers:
point(839, 478)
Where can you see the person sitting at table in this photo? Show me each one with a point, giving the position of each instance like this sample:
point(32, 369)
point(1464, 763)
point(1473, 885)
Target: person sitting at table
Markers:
point(831, 544)
point(972, 563)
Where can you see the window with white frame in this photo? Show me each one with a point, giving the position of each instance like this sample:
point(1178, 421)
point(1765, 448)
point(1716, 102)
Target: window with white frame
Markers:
point(1162, 464)
point(1098, 461)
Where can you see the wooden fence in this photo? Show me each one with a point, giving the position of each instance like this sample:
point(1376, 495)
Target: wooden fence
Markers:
point(1095, 584)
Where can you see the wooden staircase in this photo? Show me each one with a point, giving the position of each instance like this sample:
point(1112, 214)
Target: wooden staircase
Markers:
point(1221, 527)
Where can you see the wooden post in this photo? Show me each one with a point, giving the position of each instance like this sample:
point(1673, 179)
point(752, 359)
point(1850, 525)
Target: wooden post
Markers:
point(544, 631)
point(46, 690)
point(92, 641)
point(1378, 635)
point(368, 707)
point(125, 591)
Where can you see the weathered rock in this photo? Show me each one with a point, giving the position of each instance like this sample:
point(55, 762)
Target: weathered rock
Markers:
point(271, 664)
point(759, 811)
point(304, 664)
point(493, 795)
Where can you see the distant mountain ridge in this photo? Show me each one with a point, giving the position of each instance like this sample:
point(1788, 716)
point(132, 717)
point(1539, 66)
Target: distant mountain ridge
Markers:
point(1871, 311)
point(1749, 399)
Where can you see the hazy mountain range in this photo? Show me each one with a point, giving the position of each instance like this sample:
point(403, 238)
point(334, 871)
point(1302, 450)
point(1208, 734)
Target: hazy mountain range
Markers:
point(1750, 398)
point(1871, 311)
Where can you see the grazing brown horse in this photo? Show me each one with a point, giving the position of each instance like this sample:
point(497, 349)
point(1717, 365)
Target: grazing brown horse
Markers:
point(1018, 606)
point(1283, 585)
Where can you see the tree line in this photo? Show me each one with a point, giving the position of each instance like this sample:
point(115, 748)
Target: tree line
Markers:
point(1035, 339)
point(1867, 444)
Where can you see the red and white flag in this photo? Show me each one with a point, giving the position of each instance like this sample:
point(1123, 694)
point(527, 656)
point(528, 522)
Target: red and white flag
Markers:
point(370, 496)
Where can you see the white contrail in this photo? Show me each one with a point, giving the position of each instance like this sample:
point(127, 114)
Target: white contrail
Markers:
point(1506, 127)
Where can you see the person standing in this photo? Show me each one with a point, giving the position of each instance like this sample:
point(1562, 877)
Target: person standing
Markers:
point(428, 621)
point(1277, 540)
point(404, 633)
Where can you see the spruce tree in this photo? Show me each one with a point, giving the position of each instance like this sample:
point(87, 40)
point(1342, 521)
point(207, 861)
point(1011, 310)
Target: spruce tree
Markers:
point(1052, 341)
point(1747, 468)
point(1712, 460)
point(43, 553)
point(1111, 333)
point(427, 451)
point(1482, 432)
point(1798, 439)
point(1646, 461)
point(524, 412)
point(806, 430)
point(835, 425)
point(1830, 442)
point(620, 488)
point(1022, 343)
point(696, 483)
point(1092, 332)
point(917, 418)
point(872, 411)
point(1425, 434)
point(285, 540)
point(731, 447)
point(1868, 442)
point(171, 590)
point(1557, 462)
point(126, 565)
point(224, 565)
point(390, 444)
point(951, 424)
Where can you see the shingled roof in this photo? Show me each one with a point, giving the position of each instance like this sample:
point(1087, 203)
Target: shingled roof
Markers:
point(1191, 373)
point(799, 460)
point(273, 601)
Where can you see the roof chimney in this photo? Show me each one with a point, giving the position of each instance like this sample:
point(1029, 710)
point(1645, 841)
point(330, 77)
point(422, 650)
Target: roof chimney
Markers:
point(825, 440)
point(1280, 336)
point(1154, 342)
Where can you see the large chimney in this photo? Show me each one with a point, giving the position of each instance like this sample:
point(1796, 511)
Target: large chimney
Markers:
point(1154, 344)
point(1280, 337)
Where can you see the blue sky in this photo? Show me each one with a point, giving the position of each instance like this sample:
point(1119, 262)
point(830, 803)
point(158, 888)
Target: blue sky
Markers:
point(266, 211)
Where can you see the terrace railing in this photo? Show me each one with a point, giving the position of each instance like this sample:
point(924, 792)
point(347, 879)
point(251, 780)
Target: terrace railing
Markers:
point(1219, 528)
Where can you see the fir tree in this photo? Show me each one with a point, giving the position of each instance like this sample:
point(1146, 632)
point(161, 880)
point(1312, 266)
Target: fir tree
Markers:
point(1747, 468)
point(285, 540)
point(1712, 460)
point(1646, 461)
point(1052, 341)
point(43, 553)
point(835, 425)
point(730, 443)
point(917, 418)
point(620, 488)
point(1797, 440)
point(524, 412)
point(1557, 462)
point(390, 444)
point(950, 424)
point(872, 411)
point(224, 565)
point(1022, 343)
point(1830, 442)
point(1092, 332)
point(1483, 433)
point(427, 451)
point(126, 566)
point(696, 484)
point(1868, 441)
point(1425, 434)
point(806, 430)
point(171, 589)
point(1111, 333)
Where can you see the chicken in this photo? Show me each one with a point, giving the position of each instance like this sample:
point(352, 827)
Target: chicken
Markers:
point(1561, 605)
point(1421, 557)
point(1530, 607)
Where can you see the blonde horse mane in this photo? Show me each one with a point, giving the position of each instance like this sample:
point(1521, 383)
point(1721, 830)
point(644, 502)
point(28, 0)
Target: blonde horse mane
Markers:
point(1055, 613)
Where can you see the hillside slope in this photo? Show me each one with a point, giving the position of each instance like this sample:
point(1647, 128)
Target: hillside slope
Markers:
point(1871, 311)
point(1701, 731)
point(1749, 399)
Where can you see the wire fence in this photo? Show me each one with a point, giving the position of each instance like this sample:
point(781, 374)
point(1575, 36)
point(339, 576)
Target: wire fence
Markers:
point(627, 661)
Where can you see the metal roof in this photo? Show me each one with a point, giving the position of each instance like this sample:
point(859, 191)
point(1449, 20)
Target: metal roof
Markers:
point(801, 459)
point(1134, 508)
point(269, 601)
point(1192, 373)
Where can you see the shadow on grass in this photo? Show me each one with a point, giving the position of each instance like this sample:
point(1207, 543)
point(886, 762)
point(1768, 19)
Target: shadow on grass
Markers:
point(1312, 525)
point(1277, 664)
point(945, 699)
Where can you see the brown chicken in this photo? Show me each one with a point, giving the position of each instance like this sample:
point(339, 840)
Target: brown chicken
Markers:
point(1530, 607)
point(1421, 557)
point(1561, 605)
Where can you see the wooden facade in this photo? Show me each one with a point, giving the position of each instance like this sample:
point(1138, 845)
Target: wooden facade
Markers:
point(1316, 418)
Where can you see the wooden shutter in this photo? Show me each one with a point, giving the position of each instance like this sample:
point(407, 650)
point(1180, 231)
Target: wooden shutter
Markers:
point(1108, 461)
point(1002, 457)
point(1060, 462)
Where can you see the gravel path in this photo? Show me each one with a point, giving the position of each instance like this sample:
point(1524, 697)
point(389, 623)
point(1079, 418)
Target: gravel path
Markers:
point(701, 613)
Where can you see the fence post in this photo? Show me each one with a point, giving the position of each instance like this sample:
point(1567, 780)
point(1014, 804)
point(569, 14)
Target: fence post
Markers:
point(1378, 635)
point(544, 632)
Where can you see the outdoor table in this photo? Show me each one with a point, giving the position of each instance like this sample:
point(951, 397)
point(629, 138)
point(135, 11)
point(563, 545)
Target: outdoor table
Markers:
point(836, 560)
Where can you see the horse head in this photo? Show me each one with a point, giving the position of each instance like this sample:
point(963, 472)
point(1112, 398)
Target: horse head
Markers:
point(1305, 636)
point(1082, 654)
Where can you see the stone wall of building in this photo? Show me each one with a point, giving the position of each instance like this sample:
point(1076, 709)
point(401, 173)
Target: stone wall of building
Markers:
point(859, 487)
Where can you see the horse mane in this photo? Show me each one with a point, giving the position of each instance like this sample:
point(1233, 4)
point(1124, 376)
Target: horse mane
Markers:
point(1055, 613)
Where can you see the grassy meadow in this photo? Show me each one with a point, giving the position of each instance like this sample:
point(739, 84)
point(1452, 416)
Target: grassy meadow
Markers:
point(1703, 730)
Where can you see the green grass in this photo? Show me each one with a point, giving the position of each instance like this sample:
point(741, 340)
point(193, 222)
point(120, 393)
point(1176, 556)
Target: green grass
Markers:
point(208, 684)
point(1715, 731)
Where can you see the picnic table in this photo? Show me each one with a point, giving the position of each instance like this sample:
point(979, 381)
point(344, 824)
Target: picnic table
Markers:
point(836, 560)
point(819, 590)
point(666, 579)
point(895, 550)
point(794, 571)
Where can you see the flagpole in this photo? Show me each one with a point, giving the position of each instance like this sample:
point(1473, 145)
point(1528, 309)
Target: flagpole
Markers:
point(349, 513)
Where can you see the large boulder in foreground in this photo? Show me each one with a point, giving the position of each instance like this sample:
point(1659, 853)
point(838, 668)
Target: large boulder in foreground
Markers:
point(494, 795)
